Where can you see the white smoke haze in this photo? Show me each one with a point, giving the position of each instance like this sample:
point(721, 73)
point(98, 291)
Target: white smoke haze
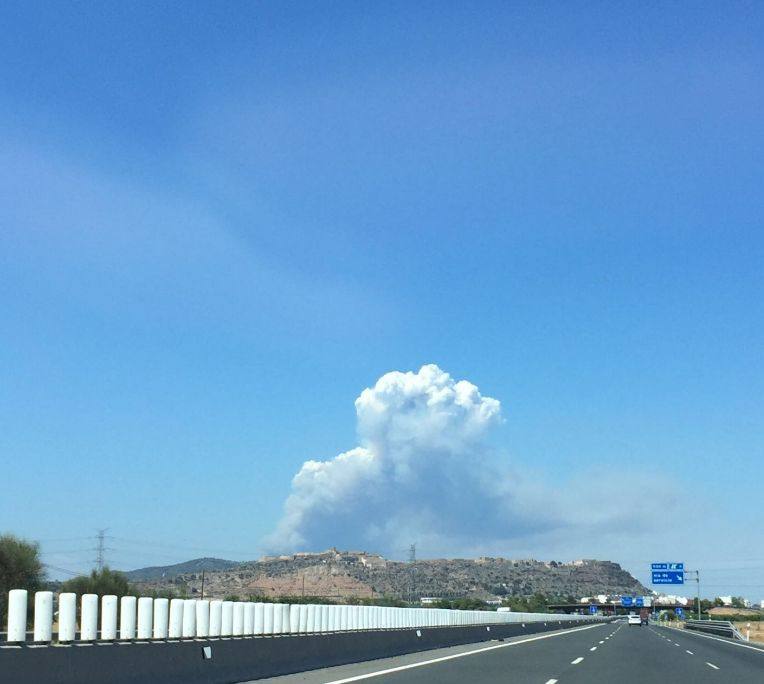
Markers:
point(423, 472)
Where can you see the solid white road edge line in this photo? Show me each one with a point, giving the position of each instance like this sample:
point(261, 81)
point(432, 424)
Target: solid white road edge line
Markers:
point(724, 641)
point(400, 668)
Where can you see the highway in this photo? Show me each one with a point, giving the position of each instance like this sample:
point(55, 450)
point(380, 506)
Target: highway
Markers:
point(614, 652)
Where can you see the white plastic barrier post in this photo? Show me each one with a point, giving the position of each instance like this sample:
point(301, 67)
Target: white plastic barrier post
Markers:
point(310, 621)
point(278, 625)
point(302, 619)
point(226, 628)
point(286, 612)
point(189, 618)
point(216, 618)
point(294, 619)
point(331, 618)
point(249, 619)
point(161, 627)
point(43, 616)
point(17, 616)
point(175, 630)
point(237, 628)
point(127, 608)
point(324, 618)
point(145, 617)
point(108, 617)
point(88, 617)
point(259, 623)
point(269, 617)
point(202, 618)
point(67, 617)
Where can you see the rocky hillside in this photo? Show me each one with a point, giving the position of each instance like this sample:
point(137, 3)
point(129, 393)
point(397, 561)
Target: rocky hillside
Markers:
point(337, 574)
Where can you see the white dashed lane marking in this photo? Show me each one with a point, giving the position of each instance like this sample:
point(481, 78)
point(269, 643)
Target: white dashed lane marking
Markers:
point(576, 661)
point(712, 665)
point(484, 649)
point(593, 648)
point(690, 652)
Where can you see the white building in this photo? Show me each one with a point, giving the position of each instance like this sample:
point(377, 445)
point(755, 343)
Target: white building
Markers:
point(670, 600)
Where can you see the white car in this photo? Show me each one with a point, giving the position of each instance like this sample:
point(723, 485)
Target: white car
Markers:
point(635, 620)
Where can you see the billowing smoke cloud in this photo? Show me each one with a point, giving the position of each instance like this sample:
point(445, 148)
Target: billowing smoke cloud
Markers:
point(423, 472)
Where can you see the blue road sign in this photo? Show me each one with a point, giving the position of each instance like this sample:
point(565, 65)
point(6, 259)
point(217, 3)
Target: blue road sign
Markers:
point(592, 610)
point(667, 566)
point(626, 601)
point(640, 602)
point(679, 612)
point(668, 577)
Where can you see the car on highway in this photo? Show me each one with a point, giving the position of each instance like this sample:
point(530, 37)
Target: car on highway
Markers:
point(635, 620)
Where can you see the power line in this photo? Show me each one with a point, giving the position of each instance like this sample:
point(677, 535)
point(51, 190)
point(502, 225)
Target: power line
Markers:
point(199, 549)
point(64, 570)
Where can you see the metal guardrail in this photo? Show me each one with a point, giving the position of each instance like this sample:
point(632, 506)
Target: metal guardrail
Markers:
point(718, 627)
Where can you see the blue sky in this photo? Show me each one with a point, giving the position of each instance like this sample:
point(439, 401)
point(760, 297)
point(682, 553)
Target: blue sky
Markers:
point(219, 222)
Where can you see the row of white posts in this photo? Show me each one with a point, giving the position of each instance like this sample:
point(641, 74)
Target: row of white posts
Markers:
point(143, 618)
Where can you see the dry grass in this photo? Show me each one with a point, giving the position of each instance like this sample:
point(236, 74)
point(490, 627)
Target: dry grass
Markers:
point(756, 628)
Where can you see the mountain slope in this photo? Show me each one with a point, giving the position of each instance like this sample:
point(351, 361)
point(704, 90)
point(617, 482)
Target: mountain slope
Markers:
point(338, 574)
point(170, 571)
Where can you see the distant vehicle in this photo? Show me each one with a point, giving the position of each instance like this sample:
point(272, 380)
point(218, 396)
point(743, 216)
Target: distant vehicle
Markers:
point(644, 614)
point(635, 619)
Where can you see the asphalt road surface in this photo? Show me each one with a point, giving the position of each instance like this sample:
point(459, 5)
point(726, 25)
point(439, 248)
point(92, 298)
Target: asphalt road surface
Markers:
point(614, 652)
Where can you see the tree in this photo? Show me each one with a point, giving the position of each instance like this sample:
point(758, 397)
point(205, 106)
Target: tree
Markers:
point(99, 582)
point(738, 602)
point(461, 604)
point(20, 565)
point(20, 568)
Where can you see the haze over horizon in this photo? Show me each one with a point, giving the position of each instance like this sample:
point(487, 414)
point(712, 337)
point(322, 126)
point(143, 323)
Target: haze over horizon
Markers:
point(277, 276)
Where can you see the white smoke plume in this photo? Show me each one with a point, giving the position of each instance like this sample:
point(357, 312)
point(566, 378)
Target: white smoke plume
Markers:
point(423, 472)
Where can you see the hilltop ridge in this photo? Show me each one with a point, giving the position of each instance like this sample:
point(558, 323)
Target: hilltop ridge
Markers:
point(346, 574)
